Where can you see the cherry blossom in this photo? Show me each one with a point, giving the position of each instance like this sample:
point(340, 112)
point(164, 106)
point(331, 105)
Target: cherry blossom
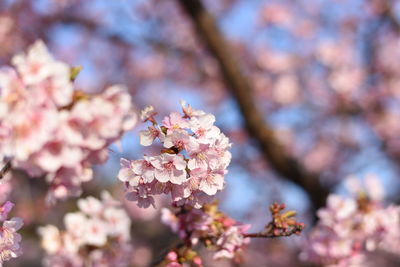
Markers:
point(173, 122)
point(47, 129)
point(219, 232)
point(326, 72)
point(169, 168)
point(231, 241)
point(9, 238)
point(147, 113)
point(96, 235)
point(208, 225)
point(192, 166)
point(148, 136)
point(349, 229)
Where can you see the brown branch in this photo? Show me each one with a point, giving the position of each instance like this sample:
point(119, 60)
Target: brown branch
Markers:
point(281, 225)
point(270, 235)
point(284, 164)
point(6, 168)
point(87, 23)
point(389, 14)
point(270, 232)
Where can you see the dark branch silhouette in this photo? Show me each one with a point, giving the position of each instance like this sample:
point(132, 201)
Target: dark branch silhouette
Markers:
point(241, 89)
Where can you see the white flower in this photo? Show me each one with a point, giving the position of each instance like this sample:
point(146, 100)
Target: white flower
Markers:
point(147, 112)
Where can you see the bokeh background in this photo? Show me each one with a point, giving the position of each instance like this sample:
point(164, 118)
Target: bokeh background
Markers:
point(324, 75)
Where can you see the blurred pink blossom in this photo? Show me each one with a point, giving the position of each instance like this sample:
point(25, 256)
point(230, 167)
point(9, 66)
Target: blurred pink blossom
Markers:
point(96, 235)
point(350, 228)
point(9, 238)
point(49, 130)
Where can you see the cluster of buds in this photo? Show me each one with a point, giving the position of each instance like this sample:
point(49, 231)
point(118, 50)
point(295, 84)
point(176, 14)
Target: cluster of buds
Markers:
point(191, 166)
point(97, 235)
point(282, 224)
point(180, 255)
point(9, 238)
point(49, 129)
point(220, 233)
point(350, 229)
point(210, 227)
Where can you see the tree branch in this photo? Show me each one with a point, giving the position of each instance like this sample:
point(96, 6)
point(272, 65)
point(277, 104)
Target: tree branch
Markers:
point(389, 14)
point(284, 164)
point(5, 169)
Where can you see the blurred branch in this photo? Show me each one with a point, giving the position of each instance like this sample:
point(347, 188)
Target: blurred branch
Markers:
point(88, 24)
point(284, 164)
point(6, 168)
point(389, 14)
point(376, 106)
point(95, 27)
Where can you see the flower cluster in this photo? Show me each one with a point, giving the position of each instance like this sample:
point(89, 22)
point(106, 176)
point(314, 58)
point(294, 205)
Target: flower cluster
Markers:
point(192, 165)
point(210, 227)
point(9, 238)
point(97, 235)
point(351, 228)
point(48, 129)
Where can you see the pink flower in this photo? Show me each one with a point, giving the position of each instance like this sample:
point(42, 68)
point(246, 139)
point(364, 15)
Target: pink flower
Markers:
point(126, 174)
point(204, 129)
point(12, 89)
point(148, 136)
point(51, 238)
point(9, 238)
point(119, 223)
point(339, 207)
point(95, 232)
point(147, 113)
point(189, 111)
point(144, 169)
point(101, 225)
point(169, 168)
point(50, 77)
point(33, 66)
point(90, 206)
point(231, 241)
point(174, 121)
point(172, 256)
point(46, 132)
point(181, 140)
point(134, 172)
point(57, 154)
point(5, 209)
point(209, 182)
point(30, 127)
point(143, 199)
point(98, 126)
point(221, 232)
point(192, 166)
point(350, 229)
point(67, 182)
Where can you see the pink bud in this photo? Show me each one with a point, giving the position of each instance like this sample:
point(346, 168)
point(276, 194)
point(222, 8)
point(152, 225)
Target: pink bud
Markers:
point(197, 260)
point(172, 256)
